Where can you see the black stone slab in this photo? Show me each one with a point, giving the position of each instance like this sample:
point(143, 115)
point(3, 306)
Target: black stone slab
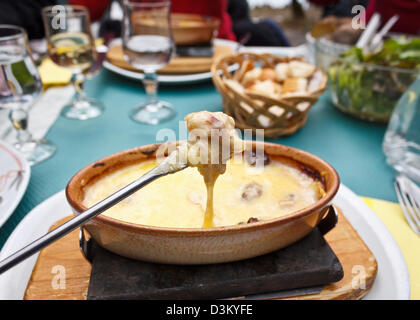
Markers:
point(307, 263)
point(200, 50)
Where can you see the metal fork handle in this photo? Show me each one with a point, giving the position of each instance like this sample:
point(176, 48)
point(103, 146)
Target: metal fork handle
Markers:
point(80, 219)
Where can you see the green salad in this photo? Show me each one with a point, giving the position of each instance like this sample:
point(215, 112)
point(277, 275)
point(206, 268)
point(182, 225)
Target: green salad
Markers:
point(369, 85)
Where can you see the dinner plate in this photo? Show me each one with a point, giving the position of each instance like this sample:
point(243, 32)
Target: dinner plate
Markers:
point(14, 178)
point(167, 78)
point(205, 76)
point(392, 280)
point(162, 78)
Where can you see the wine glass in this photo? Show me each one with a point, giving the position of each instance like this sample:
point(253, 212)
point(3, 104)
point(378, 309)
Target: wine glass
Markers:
point(20, 85)
point(148, 45)
point(71, 45)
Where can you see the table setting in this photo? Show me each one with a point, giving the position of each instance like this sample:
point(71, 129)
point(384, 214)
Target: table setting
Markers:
point(83, 120)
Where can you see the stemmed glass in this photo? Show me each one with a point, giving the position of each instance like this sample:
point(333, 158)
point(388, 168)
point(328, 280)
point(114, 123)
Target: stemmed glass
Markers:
point(20, 85)
point(71, 45)
point(148, 46)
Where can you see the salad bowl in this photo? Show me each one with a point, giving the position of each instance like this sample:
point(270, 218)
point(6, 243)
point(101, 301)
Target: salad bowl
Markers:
point(368, 86)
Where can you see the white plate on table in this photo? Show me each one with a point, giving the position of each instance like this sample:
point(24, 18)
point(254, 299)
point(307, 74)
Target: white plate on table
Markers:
point(162, 78)
point(204, 76)
point(392, 280)
point(167, 78)
point(14, 178)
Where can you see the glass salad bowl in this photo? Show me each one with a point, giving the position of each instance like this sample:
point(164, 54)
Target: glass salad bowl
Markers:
point(369, 84)
point(368, 91)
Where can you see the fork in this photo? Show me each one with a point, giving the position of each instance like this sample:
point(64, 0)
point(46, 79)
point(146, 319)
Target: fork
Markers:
point(171, 164)
point(408, 194)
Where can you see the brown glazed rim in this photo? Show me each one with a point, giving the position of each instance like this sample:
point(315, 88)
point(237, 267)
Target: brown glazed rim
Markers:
point(312, 161)
point(209, 21)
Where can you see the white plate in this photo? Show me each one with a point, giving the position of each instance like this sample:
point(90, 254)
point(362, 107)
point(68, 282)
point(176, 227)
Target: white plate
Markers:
point(298, 51)
point(167, 78)
point(199, 77)
point(162, 78)
point(392, 281)
point(14, 178)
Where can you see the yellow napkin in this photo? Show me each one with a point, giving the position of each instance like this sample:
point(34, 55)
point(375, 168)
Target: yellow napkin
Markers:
point(52, 74)
point(409, 242)
point(55, 75)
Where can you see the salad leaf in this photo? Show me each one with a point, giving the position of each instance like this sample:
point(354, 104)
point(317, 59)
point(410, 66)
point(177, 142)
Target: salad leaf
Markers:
point(354, 54)
point(398, 52)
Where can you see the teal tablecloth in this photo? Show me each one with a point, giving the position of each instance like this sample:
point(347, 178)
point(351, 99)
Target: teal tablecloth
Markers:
point(353, 147)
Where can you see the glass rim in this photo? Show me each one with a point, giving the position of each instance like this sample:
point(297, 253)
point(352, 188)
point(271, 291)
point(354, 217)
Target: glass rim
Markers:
point(80, 10)
point(21, 32)
point(377, 66)
point(150, 4)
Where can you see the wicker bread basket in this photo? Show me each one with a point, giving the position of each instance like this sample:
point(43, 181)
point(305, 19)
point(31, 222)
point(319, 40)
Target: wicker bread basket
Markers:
point(278, 116)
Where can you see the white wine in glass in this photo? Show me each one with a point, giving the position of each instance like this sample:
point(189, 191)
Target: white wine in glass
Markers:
point(71, 45)
point(72, 50)
point(148, 46)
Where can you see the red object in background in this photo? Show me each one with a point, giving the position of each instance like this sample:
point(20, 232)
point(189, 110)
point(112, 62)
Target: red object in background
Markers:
point(96, 8)
point(408, 10)
point(213, 8)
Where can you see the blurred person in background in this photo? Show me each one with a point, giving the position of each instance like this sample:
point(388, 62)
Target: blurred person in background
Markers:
point(213, 8)
point(262, 33)
point(339, 8)
point(234, 15)
point(26, 14)
point(96, 8)
point(408, 10)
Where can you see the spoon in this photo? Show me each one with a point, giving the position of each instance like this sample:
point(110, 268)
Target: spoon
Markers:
point(167, 166)
point(369, 32)
point(377, 39)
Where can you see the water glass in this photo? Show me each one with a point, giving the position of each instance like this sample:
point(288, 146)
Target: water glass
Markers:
point(148, 46)
point(20, 85)
point(402, 139)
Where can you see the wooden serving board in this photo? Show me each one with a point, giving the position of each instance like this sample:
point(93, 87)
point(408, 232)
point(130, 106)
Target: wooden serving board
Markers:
point(178, 65)
point(354, 255)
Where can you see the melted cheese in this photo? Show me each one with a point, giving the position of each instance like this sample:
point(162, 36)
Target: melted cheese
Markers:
point(213, 141)
point(179, 200)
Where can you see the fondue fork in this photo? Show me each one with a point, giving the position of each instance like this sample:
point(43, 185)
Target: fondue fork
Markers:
point(168, 166)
